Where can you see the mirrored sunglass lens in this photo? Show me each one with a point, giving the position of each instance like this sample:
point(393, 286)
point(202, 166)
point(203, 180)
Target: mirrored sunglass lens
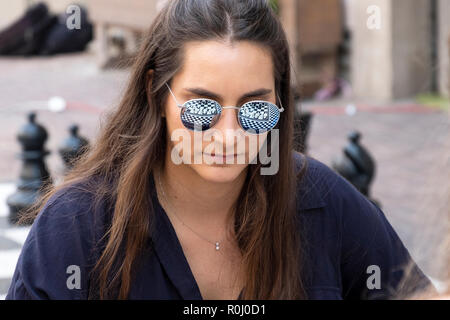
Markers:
point(258, 117)
point(200, 114)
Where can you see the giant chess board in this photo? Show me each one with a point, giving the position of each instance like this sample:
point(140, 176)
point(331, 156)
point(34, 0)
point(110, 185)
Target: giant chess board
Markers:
point(11, 240)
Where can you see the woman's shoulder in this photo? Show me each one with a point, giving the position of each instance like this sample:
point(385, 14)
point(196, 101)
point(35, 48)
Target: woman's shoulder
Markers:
point(331, 200)
point(319, 186)
point(355, 233)
point(61, 247)
point(340, 203)
point(76, 204)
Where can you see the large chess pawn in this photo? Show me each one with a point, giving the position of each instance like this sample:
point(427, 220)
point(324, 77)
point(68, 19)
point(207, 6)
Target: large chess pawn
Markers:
point(33, 174)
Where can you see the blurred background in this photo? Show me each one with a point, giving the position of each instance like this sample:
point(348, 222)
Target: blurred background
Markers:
point(371, 83)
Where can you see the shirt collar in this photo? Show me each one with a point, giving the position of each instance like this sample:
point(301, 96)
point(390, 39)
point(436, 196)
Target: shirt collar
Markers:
point(311, 186)
point(309, 198)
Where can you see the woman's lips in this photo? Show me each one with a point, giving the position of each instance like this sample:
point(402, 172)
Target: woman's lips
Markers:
point(221, 156)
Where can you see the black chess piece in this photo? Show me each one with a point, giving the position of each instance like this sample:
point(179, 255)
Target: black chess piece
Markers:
point(73, 147)
point(356, 165)
point(33, 174)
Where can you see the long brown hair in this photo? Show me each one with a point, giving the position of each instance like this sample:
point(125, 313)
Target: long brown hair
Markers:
point(132, 143)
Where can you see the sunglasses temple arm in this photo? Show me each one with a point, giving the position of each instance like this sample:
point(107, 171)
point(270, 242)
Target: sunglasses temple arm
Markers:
point(176, 101)
point(281, 109)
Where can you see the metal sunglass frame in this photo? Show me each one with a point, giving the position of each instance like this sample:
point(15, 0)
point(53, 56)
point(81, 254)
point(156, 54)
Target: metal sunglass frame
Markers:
point(280, 109)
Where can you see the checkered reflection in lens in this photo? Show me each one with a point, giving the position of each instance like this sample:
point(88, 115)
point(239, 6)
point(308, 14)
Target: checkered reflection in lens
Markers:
point(258, 116)
point(200, 114)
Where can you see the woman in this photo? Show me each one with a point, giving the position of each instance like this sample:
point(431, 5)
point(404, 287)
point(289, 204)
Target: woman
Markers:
point(140, 218)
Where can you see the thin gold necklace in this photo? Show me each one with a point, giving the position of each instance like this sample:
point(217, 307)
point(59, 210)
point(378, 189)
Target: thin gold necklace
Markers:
point(215, 243)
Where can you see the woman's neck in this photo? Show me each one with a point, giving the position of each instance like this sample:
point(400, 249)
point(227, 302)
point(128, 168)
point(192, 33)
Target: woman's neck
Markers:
point(199, 203)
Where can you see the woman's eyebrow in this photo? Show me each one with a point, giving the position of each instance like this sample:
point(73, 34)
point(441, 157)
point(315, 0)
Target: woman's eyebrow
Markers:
point(215, 96)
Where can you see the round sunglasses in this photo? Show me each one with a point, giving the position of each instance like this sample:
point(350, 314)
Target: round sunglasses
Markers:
point(254, 116)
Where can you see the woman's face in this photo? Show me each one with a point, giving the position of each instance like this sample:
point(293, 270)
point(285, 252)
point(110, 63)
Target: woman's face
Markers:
point(216, 70)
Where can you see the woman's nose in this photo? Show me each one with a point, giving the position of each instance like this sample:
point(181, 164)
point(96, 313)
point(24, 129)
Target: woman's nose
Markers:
point(229, 127)
point(228, 119)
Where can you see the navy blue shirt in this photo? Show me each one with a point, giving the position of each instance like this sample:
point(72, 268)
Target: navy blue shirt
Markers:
point(347, 241)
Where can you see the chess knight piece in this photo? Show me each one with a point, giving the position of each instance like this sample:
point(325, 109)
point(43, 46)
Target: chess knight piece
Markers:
point(356, 165)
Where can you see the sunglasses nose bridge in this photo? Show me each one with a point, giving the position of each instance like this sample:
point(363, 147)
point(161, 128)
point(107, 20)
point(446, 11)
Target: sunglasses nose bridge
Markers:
point(228, 118)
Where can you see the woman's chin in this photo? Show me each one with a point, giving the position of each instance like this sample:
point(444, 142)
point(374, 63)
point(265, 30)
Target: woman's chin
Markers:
point(219, 173)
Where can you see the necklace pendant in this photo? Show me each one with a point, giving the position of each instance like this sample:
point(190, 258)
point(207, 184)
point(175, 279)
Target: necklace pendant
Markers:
point(217, 246)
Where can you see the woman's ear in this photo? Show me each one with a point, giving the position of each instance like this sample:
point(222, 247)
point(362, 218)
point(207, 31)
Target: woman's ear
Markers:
point(149, 79)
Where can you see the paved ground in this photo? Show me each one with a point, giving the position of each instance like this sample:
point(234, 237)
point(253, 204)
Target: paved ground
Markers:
point(410, 143)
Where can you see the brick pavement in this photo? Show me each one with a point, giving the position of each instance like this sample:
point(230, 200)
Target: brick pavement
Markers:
point(76, 78)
